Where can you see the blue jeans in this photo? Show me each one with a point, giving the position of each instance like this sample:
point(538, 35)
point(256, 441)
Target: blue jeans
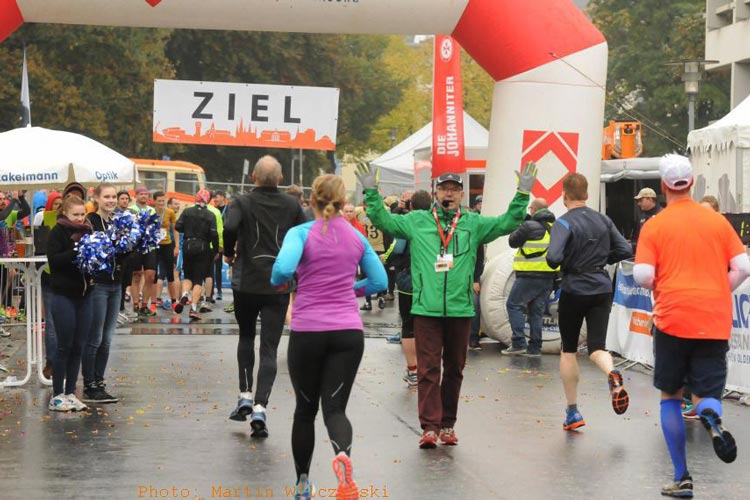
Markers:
point(50, 337)
point(105, 301)
point(72, 318)
point(528, 297)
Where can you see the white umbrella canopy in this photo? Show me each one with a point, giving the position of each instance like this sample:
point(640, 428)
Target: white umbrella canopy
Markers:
point(39, 158)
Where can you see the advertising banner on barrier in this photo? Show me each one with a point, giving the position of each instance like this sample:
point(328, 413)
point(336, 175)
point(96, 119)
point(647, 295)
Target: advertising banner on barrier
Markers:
point(739, 344)
point(629, 328)
point(243, 114)
point(447, 109)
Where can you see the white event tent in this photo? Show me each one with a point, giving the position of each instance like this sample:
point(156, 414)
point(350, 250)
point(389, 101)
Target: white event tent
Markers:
point(397, 166)
point(721, 159)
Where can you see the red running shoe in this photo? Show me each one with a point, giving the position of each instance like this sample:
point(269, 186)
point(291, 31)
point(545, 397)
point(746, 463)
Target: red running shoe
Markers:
point(620, 398)
point(428, 440)
point(342, 467)
point(448, 436)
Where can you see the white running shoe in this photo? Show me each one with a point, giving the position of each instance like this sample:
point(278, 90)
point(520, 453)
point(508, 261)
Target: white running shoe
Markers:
point(76, 403)
point(60, 403)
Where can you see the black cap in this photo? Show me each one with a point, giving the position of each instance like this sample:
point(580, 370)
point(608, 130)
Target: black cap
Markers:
point(450, 178)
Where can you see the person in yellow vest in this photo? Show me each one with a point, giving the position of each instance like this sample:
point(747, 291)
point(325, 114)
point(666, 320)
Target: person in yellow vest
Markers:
point(534, 280)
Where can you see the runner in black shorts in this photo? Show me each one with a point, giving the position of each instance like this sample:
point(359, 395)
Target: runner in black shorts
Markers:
point(582, 243)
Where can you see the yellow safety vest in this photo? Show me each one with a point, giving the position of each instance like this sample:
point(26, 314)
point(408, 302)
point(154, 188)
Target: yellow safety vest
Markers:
point(532, 256)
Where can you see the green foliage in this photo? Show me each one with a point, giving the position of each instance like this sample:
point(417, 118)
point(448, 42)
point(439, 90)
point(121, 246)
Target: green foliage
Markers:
point(643, 37)
point(414, 65)
point(91, 80)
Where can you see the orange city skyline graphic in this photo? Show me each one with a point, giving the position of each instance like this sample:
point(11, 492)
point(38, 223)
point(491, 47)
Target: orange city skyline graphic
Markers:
point(303, 139)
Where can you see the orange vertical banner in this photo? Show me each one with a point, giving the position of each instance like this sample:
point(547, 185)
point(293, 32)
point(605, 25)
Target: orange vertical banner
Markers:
point(447, 109)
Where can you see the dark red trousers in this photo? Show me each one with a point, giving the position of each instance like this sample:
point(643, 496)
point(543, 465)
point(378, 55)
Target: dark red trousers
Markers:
point(441, 343)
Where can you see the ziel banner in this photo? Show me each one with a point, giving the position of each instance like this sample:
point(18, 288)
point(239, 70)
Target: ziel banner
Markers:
point(244, 114)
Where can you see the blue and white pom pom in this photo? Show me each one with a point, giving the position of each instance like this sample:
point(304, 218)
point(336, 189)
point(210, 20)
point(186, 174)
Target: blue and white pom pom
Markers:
point(96, 253)
point(124, 232)
point(151, 226)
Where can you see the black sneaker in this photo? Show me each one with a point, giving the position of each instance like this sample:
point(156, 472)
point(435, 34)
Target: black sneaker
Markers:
point(381, 302)
point(679, 489)
point(367, 306)
point(211, 300)
point(194, 316)
point(179, 306)
point(474, 345)
point(91, 394)
point(97, 395)
point(106, 397)
point(724, 445)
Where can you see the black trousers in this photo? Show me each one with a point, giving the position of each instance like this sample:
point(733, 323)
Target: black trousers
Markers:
point(272, 310)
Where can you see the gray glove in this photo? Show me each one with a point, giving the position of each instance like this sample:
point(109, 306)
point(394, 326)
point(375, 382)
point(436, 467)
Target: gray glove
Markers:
point(527, 178)
point(366, 176)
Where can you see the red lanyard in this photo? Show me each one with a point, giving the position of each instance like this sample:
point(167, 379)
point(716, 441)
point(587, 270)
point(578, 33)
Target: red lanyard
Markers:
point(443, 238)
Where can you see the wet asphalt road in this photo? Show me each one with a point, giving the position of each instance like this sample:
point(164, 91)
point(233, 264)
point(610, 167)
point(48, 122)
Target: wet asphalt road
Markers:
point(170, 437)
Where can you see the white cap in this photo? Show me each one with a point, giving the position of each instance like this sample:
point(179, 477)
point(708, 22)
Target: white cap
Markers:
point(676, 171)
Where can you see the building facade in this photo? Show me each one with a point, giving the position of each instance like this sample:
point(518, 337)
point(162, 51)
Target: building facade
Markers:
point(728, 41)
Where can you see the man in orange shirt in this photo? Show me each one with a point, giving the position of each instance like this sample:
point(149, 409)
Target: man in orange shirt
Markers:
point(686, 266)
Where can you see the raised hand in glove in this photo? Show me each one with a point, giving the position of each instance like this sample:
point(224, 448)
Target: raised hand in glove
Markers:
point(366, 176)
point(527, 177)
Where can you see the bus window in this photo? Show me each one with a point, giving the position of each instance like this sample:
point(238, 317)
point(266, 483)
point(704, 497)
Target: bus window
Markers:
point(186, 182)
point(154, 181)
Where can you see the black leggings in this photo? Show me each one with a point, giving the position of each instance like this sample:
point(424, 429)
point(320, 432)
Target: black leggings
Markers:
point(573, 309)
point(272, 311)
point(322, 366)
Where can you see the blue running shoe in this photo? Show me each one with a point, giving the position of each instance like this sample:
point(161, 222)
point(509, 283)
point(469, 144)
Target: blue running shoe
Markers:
point(573, 420)
point(244, 408)
point(396, 339)
point(167, 305)
point(724, 445)
point(304, 490)
point(258, 422)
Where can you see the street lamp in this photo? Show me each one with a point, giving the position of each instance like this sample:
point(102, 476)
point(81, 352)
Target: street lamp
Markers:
point(692, 75)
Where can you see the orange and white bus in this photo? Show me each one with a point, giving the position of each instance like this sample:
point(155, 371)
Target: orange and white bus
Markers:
point(178, 179)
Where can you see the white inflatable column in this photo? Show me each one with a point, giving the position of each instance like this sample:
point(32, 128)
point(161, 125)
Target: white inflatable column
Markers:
point(552, 115)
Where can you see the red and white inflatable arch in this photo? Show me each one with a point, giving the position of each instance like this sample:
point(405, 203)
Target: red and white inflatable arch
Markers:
point(549, 63)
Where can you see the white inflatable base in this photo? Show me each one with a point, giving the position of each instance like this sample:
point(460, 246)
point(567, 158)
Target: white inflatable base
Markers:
point(497, 282)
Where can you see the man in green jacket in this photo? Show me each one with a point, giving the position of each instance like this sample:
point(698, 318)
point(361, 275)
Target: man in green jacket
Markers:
point(443, 242)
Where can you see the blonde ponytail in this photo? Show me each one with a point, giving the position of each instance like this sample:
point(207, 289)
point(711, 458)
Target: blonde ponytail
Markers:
point(328, 194)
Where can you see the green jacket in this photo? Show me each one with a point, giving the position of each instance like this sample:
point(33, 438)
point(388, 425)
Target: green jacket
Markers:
point(444, 293)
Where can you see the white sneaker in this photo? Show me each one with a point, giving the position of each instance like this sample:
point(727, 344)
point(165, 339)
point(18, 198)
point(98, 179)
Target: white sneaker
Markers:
point(76, 403)
point(60, 403)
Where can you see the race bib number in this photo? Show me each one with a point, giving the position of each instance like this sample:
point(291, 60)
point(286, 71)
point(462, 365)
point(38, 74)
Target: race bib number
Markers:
point(163, 234)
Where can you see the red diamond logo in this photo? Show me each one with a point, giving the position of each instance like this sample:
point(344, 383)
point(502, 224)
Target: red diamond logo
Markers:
point(153, 3)
point(558, 152)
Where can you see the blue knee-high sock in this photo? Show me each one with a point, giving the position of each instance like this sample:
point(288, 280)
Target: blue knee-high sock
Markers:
point(673, 427)
point(709, 403)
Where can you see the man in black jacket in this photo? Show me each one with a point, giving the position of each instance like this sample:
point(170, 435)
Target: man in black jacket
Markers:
point(201, 236)
point(257, 223)
point(534, 280)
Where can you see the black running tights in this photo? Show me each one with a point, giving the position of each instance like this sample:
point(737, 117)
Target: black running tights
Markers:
point(322, 366)
point(272, 311)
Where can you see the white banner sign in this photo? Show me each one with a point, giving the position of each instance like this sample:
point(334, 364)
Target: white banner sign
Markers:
point(628, 330)
point(243, 114)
